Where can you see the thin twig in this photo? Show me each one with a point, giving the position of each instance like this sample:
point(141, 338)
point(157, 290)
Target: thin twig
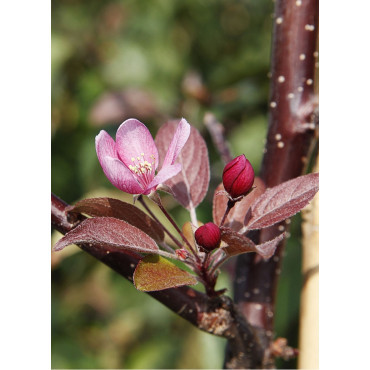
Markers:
point(216, 131)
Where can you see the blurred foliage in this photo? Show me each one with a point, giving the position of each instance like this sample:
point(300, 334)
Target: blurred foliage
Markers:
point(152, 60)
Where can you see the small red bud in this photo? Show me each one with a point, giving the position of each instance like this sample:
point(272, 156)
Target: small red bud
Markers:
point(208, 236)
point(238, 176)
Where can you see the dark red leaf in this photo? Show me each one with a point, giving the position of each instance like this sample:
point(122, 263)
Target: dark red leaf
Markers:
point(190, 186)
point(109, 207)
point(236, 217)
point(283, 201)
point(236, 243)
point(109, 233)
point(156, 273)
point(267, 249)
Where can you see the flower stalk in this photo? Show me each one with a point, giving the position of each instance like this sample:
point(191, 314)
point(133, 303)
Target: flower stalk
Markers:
point(173, 223)
point(176, 241)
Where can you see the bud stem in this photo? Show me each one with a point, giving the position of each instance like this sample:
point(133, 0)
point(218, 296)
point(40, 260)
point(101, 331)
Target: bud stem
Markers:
point(230, 204)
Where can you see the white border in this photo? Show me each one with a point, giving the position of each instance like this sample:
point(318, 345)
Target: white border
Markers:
point(25, 184)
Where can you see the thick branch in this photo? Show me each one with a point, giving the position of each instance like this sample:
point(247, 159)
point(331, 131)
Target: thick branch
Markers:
point(217, 316)
point(290, 139)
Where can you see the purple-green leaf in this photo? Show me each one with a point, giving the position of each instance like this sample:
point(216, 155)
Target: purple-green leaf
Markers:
point(283, 201)
point(156, 273)
point(190, 186)
point(110, 234)
point(109, 207)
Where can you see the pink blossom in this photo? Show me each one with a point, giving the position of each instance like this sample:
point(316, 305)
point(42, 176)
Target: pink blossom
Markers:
point(131, 161)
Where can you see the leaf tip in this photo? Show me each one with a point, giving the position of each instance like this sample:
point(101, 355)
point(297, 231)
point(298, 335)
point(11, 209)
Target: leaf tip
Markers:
point(267, 249)
point(59, 245)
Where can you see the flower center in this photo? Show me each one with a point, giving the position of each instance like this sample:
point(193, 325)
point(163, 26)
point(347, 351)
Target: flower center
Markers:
point(143, 169)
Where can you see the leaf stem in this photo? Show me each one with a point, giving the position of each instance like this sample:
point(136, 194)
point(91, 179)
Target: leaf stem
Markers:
point(193, 216)
point(166, 254)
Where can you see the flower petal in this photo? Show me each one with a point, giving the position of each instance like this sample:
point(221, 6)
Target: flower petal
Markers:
point(133, 140)
point(178, 141)
point(118, 174)
point(164, 174)
point(105, 146)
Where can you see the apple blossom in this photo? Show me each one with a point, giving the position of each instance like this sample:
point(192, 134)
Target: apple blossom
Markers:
point(131, 161)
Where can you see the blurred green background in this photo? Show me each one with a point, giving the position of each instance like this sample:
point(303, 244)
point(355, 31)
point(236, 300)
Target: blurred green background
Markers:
point(152, 60)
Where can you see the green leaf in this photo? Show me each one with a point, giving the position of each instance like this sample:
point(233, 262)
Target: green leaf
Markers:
point(156, 273)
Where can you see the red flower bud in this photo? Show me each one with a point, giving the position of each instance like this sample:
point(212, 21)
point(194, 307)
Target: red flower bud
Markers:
point(208, 236)
point(238, 176)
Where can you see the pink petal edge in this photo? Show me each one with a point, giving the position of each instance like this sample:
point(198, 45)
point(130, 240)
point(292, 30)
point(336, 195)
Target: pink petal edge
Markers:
point(105, 145)
point(178, 141)
point(164, 174)
point(117, 173)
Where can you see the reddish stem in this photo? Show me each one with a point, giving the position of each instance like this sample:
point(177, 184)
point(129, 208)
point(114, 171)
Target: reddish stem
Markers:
point(169, 218)
point(230, 205)
point(177, 242)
